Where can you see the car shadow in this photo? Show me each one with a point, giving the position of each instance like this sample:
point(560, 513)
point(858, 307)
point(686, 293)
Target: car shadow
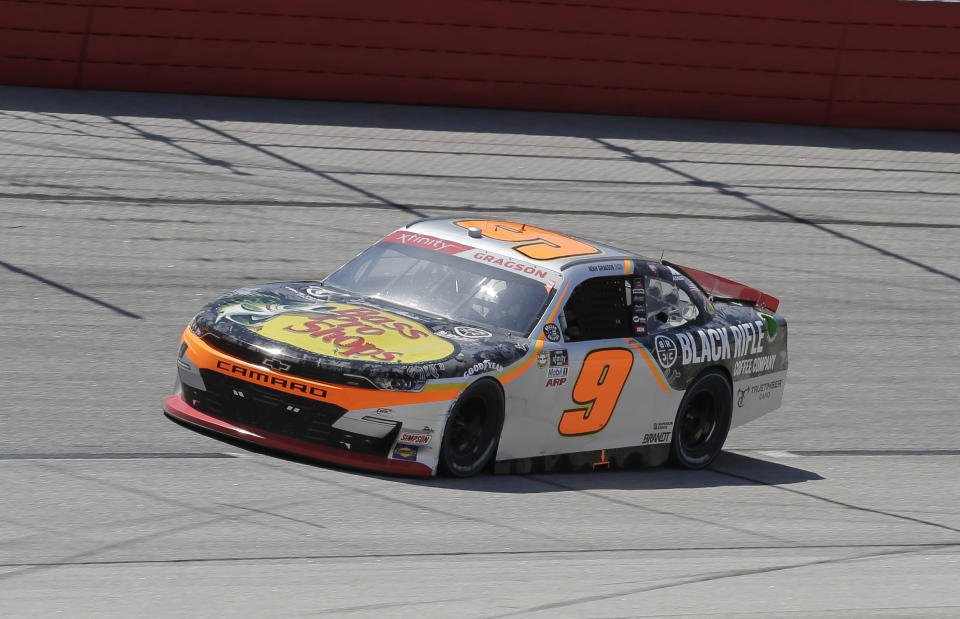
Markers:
point(729, 469)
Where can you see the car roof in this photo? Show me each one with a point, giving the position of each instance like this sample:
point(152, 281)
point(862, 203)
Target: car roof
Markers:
point(457, 229)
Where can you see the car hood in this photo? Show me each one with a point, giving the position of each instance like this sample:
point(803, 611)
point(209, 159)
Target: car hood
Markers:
point(305, 329)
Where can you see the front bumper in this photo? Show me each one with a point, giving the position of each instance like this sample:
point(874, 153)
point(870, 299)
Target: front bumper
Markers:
point(177, 408)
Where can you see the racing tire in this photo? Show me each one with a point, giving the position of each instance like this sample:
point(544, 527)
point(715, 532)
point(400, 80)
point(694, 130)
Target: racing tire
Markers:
point(702, 422)
point(472, 431)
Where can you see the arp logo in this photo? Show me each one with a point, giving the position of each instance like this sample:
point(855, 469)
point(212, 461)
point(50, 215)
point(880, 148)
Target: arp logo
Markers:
point(555, 382)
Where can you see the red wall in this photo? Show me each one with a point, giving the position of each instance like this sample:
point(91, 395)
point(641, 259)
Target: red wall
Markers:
point(836, 62)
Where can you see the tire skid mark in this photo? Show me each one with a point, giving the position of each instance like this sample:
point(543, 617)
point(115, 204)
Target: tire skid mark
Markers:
point(190, 507)
point(216, 516)
point(413, 504)
point(709, 578)
point(851, 506)
point(276, 515)
point(300, 166)
point(596, 495)
point(25, 569)
point(485, 553)
point(459, 209)
point(730, 190)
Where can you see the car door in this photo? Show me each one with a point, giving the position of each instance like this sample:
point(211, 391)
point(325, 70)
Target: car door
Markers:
point(596, 374)
point(594, 385)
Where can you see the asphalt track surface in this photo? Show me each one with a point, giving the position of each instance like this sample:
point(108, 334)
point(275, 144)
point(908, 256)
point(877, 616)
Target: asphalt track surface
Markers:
point(120, 214)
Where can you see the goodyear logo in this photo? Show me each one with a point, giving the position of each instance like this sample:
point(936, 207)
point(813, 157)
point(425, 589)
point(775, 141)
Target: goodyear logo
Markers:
point(345, 331)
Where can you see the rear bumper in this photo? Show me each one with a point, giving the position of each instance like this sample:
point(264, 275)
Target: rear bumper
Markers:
point(177, 408)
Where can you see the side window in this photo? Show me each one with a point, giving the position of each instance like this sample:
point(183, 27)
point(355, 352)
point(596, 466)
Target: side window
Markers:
point(668, 305)
point(598, 309)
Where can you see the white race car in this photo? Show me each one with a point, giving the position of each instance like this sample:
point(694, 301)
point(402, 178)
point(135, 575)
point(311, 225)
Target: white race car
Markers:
point(452, 345)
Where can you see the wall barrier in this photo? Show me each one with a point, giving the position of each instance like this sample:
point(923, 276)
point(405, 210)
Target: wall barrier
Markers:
point(825, 62)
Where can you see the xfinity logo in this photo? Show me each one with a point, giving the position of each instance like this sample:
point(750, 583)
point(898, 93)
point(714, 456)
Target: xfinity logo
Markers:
point(426, 241)
point(276, 364)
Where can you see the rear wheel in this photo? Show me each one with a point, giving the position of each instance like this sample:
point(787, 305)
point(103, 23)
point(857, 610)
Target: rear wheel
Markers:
point(702, 422)
point(472, 432)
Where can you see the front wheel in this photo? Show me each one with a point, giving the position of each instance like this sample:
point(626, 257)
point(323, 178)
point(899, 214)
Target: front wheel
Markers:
point(702, 422)
point(472, 431)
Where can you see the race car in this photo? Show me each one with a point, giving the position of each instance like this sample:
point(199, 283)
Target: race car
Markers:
point(453, 346)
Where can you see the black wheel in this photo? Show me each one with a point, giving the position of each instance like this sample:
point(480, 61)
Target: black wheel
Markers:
point(702, 422)
point(472, 431)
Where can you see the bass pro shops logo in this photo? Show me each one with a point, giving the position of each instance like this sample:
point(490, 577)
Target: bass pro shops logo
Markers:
point(352, 332)
point(666, 351)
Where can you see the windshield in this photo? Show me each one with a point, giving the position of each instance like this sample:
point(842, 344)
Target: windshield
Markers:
point(445, 285)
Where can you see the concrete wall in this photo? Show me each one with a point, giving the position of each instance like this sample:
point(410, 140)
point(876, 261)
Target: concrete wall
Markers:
point(834, 62)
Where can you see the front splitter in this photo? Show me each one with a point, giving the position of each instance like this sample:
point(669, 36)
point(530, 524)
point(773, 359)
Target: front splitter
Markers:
point(176, 407)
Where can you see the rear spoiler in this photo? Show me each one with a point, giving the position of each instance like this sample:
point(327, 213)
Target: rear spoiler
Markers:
point(717, 286)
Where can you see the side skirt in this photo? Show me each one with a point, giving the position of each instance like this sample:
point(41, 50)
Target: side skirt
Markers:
point(622, 458)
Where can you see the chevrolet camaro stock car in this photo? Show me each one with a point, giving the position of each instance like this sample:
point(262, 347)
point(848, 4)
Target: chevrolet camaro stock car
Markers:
point(452, 345)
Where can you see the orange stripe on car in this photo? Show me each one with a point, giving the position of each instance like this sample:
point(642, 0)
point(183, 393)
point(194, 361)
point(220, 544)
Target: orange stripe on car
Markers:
point(653, 368)
point(352, 398)
point(515, 373)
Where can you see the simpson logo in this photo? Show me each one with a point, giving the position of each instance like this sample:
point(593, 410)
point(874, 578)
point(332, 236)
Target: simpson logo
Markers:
point(352, 332)
point(666, 351)
point(558, 357)
point(427, 242)
point(406, 452)
point(414, 438)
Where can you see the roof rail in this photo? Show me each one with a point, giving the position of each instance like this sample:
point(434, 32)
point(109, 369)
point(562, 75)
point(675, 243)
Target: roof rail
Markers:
point(423, 219)
point(605, 258)
point(446, 218)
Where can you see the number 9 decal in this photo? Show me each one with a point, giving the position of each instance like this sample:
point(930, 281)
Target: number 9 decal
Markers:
point(535, 243)
point(598, 387)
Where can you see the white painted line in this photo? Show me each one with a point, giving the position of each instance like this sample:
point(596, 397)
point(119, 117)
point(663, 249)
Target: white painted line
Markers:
point(778, 454)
